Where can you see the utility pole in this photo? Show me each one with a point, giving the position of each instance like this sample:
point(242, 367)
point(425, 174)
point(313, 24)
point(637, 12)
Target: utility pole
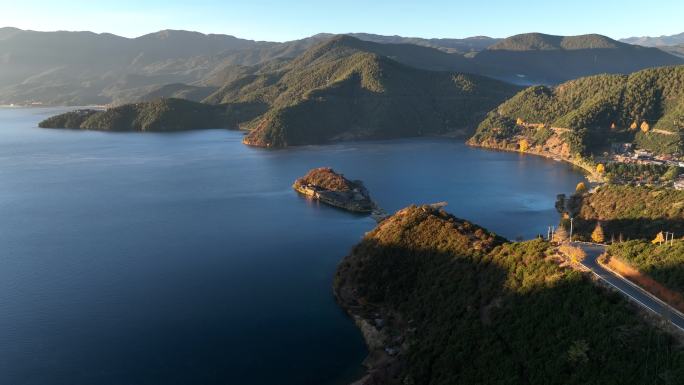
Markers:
point(571, 219)
point(669, 237)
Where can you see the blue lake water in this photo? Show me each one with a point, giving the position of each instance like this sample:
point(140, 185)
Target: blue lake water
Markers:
point(186, 258)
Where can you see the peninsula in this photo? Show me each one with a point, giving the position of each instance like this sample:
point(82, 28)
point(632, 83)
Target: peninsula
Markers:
point(441, 300)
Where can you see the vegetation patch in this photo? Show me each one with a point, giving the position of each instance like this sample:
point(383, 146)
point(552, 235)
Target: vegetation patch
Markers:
point(460, 305)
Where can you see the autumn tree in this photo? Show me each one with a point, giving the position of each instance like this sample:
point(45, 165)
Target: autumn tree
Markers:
point(597, 235)
point(580, 188)
point(645, 127)
point(633, 126)
point(524, 145)
point(600, 168)
point(560, 235)
point(575, 254)
point(660, 238)
point(519, 122)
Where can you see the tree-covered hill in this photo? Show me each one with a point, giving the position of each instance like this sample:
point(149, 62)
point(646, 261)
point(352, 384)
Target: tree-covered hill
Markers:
point(178, 91)
point(159, 115)
point(663, 262)
point(628, 212)
point(451, 303)
point(346, 88)
point(537, 58)
point(588, 114)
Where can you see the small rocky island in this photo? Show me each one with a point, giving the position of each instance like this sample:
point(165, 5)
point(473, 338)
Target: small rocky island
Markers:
point(329, 187)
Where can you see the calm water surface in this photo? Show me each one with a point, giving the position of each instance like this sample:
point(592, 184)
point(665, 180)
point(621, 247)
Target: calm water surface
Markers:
point(187, 259)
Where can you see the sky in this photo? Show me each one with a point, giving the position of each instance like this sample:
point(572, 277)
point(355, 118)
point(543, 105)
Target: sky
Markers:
point(293, 19)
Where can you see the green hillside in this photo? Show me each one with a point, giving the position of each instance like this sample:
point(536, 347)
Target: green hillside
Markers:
point(662, 262)
point(594, 111)
point(350, 89)
point(342, 89)
point(178, 91)
point(628, 212)
point(459, 305)
point(159, 115)
point(535, 58)
point(540, 41)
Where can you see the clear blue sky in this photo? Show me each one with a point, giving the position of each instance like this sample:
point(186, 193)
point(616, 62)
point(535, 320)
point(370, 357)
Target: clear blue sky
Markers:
point(293, 19)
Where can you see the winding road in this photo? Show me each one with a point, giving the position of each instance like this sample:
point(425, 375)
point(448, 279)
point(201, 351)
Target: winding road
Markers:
point(629, 289)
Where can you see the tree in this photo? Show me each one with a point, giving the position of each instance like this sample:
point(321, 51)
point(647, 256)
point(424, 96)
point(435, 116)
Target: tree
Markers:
point(560, 203)
point(561, 235)
point(524, 145)
point(660, 238)
point(580, 188)
point(600, 168)
point(519, 122)
point(597, 235)
point(633, 126)
point(645, 127)
point(672, 173)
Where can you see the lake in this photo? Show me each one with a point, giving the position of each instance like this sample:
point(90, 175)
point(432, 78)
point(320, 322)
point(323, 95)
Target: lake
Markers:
point(186, 258)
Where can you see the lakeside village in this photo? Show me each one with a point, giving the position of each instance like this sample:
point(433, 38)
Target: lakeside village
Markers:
point(640, 167)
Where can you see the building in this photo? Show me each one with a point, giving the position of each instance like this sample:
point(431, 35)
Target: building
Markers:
point(679, 184)
point(621, 148)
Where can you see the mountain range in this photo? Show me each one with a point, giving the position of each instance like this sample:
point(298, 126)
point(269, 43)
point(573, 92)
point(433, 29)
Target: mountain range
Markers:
point(657, 41)
point(342, 88)
point(79, 68)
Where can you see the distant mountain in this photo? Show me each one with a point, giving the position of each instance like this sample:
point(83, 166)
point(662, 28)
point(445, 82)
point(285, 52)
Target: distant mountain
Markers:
point(77, 68)
point(469, 44)
point(677, 50)
point(346, 88)
point(584, 116)
point(536, 58)
point(86, 68)
point(659, 41)
point(341, 89)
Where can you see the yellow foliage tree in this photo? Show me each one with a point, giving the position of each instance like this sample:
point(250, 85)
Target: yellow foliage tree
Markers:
point(524, 145)
point(660, 238)
point(560, 235)
point(581, 187)
point(633, 126)
point(575, 253)
point(519, 122)
point(597, 235)
point(600, 168)
point(645, 127)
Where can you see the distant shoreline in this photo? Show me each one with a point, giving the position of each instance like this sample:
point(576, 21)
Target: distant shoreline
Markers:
point(591, 174)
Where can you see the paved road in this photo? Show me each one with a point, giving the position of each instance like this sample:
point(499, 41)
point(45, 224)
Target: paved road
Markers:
point(627, 288)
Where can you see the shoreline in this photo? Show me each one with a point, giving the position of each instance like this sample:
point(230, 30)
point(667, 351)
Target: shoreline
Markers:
point(383, 331)
point(590, 173)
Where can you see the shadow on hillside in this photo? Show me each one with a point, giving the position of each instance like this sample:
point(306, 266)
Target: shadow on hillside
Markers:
point(671, 276)
point(626, 229)
point(509, 316)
